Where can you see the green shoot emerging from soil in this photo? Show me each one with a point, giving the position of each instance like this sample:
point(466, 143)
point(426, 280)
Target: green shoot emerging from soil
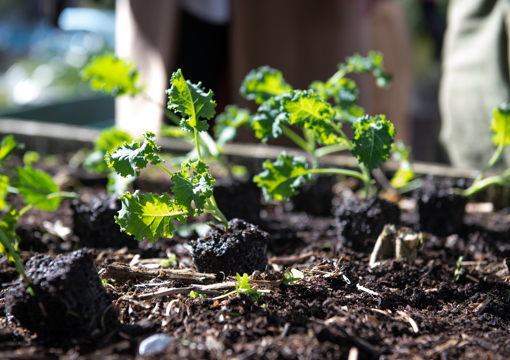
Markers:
point(311, 111)
point(36, 188)
point(458, 270)
point(150, 215)
point(500, 126)
point(243, 287)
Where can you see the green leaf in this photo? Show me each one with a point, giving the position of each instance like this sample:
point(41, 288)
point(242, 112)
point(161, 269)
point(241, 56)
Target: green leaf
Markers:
point(372, 63)
point(111, 75)
point(110, 138)
point(280, 179)
point(243, 281)
point(500, 125)
point(193, 184)
point(148, 215)
point(405, 171)
point(107, 141)
point(243, 287)
point(31, 157)
point(191, 101)
point(8, 224)
point(343, 91)
point(228, 122)
point(35, 186)
point(268, 120)
point(8, 146)
point(263, 83)
point(372, 140)
point(129, 159)
point(292, 276)
point(307, 110)
point(4, 184)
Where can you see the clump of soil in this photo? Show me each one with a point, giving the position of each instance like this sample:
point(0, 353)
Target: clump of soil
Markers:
point(94, 223)
point(241, 250)
point(440, 212)
point(359, 222)
point(238, 197)
point(315, 199)
point(69, 299)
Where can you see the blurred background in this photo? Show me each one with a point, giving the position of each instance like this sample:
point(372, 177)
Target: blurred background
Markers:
point(45, 43)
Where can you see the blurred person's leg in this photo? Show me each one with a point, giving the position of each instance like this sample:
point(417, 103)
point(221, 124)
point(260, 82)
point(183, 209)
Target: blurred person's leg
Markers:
point(475, 79)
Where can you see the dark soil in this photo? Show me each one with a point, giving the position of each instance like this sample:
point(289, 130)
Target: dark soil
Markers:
point(359, 222)
point(342, 307)
point(240, 250)
point(94, 221)
point(68, 303)
point(440, 212)
point(238, 197)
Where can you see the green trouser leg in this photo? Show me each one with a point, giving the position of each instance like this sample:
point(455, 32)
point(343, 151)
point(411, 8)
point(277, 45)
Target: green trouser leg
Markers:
point(475, 79)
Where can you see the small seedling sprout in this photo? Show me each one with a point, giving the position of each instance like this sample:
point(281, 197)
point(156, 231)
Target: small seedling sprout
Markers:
point(458, 270)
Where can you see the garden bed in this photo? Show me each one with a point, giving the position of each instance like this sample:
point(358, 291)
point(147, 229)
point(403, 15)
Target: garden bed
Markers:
point(343, 308)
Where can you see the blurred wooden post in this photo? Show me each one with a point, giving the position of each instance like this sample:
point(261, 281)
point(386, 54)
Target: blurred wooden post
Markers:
point(146, 34)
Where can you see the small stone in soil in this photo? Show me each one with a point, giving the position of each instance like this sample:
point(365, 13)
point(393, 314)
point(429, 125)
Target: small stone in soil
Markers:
point(69, 299)
point(154, 344)
point(241, 250)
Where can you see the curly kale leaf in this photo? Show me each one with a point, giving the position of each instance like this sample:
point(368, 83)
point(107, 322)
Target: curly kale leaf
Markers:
point(112, 75)
point(193, 184)
point(8, 146)
point(372, 63)
point(280, 179)
point(307, 110)
point(107, 141)
point(372, 140)
point(35, 186)
point(191, 101)
point(149, 215)
point(228, 122)
point(263, 83)
point(343, 91)
point(129, 159)
point(268, 120)
point(500, 125)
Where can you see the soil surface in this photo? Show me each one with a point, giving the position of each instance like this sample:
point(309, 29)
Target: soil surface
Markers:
point(433, 308)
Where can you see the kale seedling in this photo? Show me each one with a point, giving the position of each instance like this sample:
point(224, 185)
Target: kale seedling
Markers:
point(321, 122)
point(500, 125)
point(36, 188)
point(149, 215)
